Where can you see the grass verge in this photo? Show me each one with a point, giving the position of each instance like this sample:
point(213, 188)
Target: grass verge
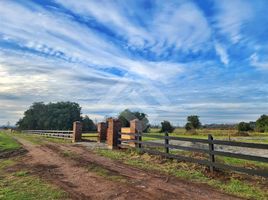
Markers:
point(7, 143)
point(39, 140)
point(243, 186)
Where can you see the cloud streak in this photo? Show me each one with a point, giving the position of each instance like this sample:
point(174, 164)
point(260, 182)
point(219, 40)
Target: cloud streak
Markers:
point(161, 58)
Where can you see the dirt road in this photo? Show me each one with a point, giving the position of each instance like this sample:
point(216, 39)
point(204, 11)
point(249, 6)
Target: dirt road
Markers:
point(79, 176)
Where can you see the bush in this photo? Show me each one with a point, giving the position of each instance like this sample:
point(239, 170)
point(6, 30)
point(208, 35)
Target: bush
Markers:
point(193, 123)
point(166, 127)
point(243, 127)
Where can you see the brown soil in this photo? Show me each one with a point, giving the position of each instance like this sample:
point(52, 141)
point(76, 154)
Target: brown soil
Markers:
point(9, 154)
point(77, 175)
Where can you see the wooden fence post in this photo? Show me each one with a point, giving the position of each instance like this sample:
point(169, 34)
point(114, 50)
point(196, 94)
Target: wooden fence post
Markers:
point(211, 154)
point(166, 143)
point(139, 140)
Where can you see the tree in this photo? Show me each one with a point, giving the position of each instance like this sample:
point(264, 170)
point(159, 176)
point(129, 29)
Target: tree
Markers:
point(166, 127)
point(88, 124)
point(53, 116)
point(243, 126)
point(126, 116)
point(262, 124)
point(192, 122)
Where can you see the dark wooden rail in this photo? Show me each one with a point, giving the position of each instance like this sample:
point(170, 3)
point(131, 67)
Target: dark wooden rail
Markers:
point(210, 151)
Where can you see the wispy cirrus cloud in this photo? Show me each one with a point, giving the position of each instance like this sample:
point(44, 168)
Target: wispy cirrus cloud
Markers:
point(166, 56)
point(221, 51)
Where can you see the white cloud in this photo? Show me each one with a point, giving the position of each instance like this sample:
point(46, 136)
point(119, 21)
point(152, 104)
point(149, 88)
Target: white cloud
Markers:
point(66, 39)
point(231, 16)
point(222, 52)
point(254, 60)
point(179, 25)
point(56, 57)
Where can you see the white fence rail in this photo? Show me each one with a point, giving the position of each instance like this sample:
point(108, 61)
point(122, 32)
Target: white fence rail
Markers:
point(52, 133)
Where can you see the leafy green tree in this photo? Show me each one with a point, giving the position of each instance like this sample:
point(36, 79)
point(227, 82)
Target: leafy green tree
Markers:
point(193, 122)
point(262, 124)
point(243, 126)
point(53, 116)
point(88, 124)
point(126, 116)
point(166, 127)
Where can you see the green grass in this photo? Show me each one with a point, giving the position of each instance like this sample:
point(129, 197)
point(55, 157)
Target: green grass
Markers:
point(101, 171)
point(69, 154)
point(6, 163)
point(7, 143)
point(39, 139)
point(242, 189)
point(192, 172)
point(23, 186)
point(90, 136)
point(217, 133)
point(243, 163)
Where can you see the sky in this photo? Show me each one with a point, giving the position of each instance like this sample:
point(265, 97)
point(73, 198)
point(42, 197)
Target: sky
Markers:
point(168, 59)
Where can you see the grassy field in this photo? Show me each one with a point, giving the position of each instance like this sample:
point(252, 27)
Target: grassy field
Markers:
point(205, 132)
point(216, 133)
point(90, 136)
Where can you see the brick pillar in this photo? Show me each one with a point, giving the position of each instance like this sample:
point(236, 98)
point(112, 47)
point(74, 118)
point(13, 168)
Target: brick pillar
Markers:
point(135, 126)
point(77, 131)
point(114, 126)
point(102, 131)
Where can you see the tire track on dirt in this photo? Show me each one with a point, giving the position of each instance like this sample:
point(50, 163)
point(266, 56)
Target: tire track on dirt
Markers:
point(72, 175)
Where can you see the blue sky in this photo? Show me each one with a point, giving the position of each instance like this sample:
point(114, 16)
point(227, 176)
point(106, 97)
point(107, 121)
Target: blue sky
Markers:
point(168, 59)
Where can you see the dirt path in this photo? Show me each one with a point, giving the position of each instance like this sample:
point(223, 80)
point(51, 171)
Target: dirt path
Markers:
point(82, 182)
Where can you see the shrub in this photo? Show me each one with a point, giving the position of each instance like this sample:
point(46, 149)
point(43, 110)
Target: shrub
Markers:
point(243, 126)
point(166, 127)
point(193, 123)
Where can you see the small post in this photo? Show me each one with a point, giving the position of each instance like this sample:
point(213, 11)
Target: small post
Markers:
point(166, 143)
point(139, 140)
point(211, 154)
point(119, 138)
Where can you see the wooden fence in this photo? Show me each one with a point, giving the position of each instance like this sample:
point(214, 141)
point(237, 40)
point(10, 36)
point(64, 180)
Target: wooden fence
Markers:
point(144, 146)
point(52, 133)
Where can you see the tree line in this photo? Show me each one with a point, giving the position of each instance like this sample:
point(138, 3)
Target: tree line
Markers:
point(61, 115)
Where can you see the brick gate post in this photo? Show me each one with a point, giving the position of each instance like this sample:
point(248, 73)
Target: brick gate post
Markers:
point(102, 131)
point(114, 127)
point(77, 131)
point(135, 128)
